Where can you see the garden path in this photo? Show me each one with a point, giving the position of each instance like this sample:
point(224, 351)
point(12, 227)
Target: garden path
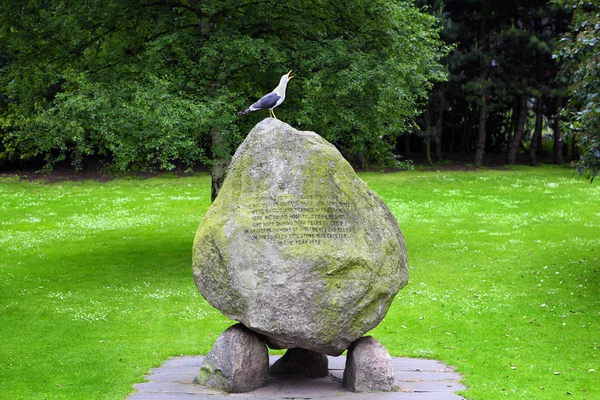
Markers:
point(419, 379)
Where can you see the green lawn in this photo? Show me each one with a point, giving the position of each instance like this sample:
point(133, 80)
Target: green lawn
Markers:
point(96, 284)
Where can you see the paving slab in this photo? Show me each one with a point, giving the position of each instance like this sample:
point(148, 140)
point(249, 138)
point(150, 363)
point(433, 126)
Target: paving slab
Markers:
point(419, 379)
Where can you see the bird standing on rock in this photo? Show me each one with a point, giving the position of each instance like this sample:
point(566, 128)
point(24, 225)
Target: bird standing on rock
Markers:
point(271, 100)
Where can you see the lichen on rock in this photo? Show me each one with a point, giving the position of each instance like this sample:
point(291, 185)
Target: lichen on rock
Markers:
point(296, 246)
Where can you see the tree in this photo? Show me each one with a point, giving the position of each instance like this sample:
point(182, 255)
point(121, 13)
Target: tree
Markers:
point(79, 80)
point(580, 51)
point(501, 59)
point(85, 78)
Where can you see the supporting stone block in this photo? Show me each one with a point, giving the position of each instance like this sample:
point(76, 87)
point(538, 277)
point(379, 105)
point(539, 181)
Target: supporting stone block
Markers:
point(301, 362)
point(237, 363)
point(369, 367)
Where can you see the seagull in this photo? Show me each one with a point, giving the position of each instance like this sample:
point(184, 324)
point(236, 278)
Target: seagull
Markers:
point(271, 100)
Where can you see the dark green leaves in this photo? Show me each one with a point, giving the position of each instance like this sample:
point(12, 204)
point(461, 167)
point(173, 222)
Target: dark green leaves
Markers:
point(580, 52)
point(144, 83)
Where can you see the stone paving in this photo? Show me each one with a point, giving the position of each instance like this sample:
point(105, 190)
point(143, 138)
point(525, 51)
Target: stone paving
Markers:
point(419, 379)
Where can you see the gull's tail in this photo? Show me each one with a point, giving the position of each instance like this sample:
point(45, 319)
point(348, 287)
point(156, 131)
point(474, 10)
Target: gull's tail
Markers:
point(246, 111)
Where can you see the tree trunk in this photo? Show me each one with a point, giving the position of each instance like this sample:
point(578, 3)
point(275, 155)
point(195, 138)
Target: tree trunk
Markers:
point(540, 140)
point(514, 120)
point(481, 136)
point(406, 145)
point(481, 132)
point(220, 151)
point(427, 134)
point(438, 127)
point(518, 136)
point(558, 143)
point(574, 149)
point(464, 137)
point(428, 151)
point(537, 133)
point(451, 148)
point(219, 145)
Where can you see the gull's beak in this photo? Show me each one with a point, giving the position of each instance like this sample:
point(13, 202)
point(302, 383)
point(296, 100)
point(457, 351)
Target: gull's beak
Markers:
point(290, 77)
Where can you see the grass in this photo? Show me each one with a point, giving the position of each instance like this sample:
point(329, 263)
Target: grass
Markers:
point(96, 286)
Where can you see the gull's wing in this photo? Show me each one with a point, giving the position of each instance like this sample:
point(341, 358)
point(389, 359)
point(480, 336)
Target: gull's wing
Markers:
point(267, 101)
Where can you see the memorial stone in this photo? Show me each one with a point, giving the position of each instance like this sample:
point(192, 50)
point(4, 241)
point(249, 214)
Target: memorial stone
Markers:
point(296, 247)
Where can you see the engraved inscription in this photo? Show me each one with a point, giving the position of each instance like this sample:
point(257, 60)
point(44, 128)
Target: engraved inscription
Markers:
point(307, 220)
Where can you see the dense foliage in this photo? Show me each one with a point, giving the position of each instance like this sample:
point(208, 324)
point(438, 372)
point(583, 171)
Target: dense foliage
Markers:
point(148, 83)
point(580, 49)
point(502, 89)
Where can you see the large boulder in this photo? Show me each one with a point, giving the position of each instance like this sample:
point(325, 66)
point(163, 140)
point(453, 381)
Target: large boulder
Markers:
point(296, 247)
